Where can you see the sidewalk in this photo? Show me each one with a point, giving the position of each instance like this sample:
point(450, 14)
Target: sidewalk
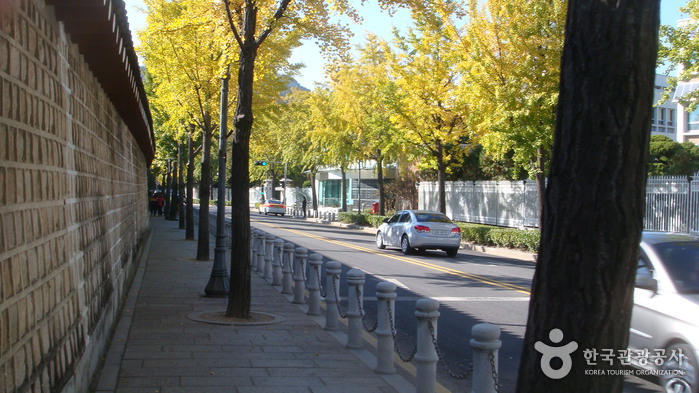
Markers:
point(157, 348)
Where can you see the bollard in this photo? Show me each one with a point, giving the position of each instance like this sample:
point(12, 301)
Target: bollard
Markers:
point(332, 288)
point(299, 270)
point(386, 297)
point(426, 357)
point(269, 256)
point(277, 262)
point(485, 341)
point(355, 299)
point(260, 253)
point(286, 268)
point(315, 261)
point(253, 249)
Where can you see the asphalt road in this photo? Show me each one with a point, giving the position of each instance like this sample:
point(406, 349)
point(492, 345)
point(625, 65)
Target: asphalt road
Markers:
point(471, 288)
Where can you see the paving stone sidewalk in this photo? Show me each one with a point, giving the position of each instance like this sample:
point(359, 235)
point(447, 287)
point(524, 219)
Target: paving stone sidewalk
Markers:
point(157, 348)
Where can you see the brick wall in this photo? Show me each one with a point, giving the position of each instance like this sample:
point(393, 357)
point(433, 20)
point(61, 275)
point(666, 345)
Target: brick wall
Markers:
point(73, 207)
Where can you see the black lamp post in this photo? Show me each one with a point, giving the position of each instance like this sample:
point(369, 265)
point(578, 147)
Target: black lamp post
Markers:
point(219, 282)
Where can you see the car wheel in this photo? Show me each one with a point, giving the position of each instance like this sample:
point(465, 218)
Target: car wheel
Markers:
point(282, 214)
point(451, 252)
point(405, 245)
point(379, 241)
point(686, 383)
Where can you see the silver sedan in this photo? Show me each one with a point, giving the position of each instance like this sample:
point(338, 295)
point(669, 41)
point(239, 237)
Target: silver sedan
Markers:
point(665, 320)
point(421, 230)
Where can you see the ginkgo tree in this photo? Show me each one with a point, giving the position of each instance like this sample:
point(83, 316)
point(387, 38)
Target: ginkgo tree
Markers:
point(360, 91)
point(184, 47)
point(511, 54)
point(252, 23)
point(426, 106)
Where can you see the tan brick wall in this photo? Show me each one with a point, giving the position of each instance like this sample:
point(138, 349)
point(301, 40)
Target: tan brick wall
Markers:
point(73, 206)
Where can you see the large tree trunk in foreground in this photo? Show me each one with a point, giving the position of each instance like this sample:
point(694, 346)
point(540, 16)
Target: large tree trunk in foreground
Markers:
point(595, 198)
point(240, 295)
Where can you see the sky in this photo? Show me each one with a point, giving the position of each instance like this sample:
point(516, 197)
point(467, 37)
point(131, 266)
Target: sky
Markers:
point(375, 21)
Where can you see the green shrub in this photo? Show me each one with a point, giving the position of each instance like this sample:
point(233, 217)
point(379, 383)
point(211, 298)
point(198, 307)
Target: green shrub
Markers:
point(353, 218)
point(488, 235)
point(376, 220)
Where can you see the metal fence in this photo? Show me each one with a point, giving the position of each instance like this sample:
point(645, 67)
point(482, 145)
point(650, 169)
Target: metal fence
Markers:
point(504, 203)
point(672, 202)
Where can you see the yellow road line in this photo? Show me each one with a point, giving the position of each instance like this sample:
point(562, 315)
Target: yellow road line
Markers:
point(428, 265)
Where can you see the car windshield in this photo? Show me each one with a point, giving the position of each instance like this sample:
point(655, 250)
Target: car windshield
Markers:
point(432, 217)
point(273, 201)
point(681, 260)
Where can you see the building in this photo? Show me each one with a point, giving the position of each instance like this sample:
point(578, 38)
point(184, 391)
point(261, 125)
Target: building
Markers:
point(687, 122)
point(664, 115)
point(688, 127)
point(76, 141)
point(362, 185)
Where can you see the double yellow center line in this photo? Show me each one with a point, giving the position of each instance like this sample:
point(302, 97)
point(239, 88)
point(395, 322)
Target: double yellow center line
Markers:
point(474, 277)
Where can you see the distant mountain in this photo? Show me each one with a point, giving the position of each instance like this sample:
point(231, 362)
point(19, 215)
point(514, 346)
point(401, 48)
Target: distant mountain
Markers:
point(293, 84)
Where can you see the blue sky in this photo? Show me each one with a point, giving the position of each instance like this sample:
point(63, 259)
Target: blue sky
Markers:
point(375, 21)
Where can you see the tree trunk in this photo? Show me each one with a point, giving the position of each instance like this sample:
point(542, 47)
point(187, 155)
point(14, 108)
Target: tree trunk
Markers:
point(594, 202)
point(180, 184)
point(540, 178)
point(174, 207)
point(379, 176)
point(314, 192)
point(203, 249)
point(343, 189)
point(273, 177)
point(240, 295)
point(168, 190)
point(441, 177)
point(189, 224)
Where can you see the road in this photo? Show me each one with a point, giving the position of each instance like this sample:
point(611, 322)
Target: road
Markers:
point(471, 288)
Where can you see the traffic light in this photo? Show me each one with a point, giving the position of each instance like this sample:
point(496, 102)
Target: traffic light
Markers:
point(262, 163)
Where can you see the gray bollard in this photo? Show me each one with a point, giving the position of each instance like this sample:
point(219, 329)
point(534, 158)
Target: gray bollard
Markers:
point(253, 249)
point(299, 275)
point(269, 256)
point(386, 297)
point(315, 261)
point(260, 253)
point(485, 341)
point(355, 299)
point(287, 260)
point(277, 262)
point(426, 357)
point(332, 289)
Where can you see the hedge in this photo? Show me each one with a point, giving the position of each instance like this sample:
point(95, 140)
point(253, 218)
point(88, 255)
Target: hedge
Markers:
point(353, 218)
point(488, 235)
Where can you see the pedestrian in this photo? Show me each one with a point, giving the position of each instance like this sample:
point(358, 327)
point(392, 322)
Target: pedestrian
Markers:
point(303, 205)
point(153, 204)
point(161, 203)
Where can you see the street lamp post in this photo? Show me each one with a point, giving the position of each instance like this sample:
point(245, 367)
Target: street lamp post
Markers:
point(219, 282)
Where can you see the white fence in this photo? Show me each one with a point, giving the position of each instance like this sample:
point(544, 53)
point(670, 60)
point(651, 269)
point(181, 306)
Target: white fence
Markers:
point(672, 203)
point(504, 203)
